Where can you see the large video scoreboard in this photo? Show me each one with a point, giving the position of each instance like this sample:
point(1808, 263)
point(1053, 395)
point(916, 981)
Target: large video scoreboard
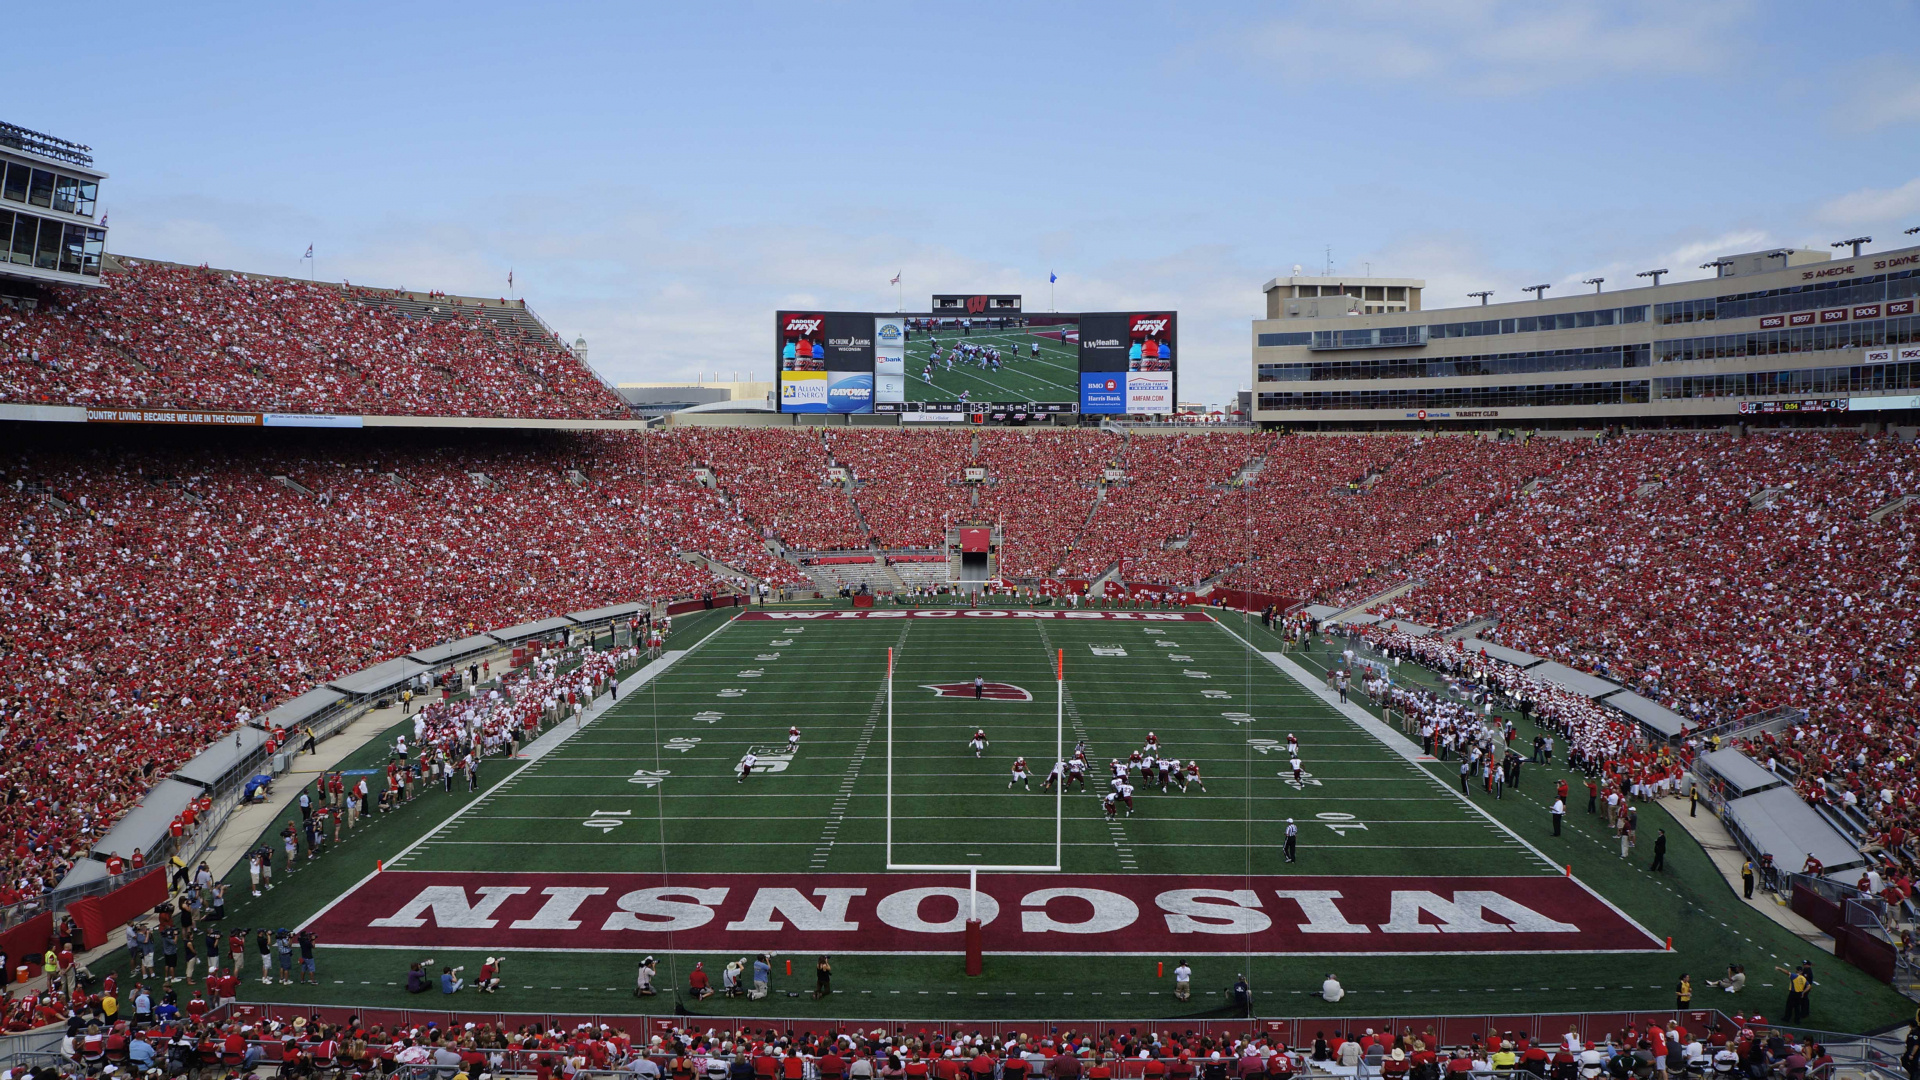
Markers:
point(974, 353)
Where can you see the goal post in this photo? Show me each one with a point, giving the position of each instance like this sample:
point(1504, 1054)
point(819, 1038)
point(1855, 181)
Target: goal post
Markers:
point(1059, 787)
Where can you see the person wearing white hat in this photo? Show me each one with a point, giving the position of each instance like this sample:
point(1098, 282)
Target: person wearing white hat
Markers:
point(489, 980)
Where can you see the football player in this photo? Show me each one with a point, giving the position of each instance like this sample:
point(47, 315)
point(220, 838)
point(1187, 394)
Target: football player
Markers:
point(1020, 775)
point(1193, 776)
point(1057, 776)
point(978, 742)
point(1077, 772)
point(746, 767)
point(793, 740)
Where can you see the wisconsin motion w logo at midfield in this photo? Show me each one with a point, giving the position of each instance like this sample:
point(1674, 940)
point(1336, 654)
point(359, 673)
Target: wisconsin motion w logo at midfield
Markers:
point(993, 691)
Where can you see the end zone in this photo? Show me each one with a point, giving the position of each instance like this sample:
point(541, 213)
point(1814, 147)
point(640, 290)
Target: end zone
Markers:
point(1022, 914)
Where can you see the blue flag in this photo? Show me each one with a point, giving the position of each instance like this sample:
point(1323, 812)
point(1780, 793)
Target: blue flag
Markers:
point(1052, 277)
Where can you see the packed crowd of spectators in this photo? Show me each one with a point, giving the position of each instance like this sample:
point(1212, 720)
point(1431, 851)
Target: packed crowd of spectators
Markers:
point(778, 478)
point(1712, 574)
point(162, 336)
point(1721, 577)
point(177, 589)
point(195, 1036)
point(1145, 523)
point(1328, 516)
point(911, 484)
point(1041, 487)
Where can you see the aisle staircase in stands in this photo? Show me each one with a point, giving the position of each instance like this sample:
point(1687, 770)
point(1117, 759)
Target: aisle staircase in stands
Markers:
point(1391, 592)
point(1471, 628)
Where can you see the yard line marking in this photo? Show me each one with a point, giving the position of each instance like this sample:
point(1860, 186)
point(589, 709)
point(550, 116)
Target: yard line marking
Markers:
point(1121, 848)
point(854, 763)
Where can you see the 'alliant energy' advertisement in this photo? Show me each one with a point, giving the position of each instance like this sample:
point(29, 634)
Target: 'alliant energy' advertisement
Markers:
point(956, 362)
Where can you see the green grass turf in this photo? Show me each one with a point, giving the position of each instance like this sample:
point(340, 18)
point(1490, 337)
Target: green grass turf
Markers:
point(951, 807)
point(1053, 376)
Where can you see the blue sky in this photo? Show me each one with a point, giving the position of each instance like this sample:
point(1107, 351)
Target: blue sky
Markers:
point(661, 178)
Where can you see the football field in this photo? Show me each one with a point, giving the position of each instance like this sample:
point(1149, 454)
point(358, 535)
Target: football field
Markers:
point(1052, 376)
point(637, 834)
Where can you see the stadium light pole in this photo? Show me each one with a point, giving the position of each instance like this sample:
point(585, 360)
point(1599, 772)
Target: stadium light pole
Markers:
point(1782, 255)
point(1593, 281)
point(1718, 266)
point(1855, 241)
point(1910, 232)
point(1654, 274)
point(1482, 294)
point(1539, 291)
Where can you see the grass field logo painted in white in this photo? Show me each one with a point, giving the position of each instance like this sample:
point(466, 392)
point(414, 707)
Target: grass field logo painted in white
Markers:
point(769, 759)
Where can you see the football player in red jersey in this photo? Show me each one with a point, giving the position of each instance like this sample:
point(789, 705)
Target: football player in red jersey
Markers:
point(1020, 775)
point(1193, 775)
point(979, 740)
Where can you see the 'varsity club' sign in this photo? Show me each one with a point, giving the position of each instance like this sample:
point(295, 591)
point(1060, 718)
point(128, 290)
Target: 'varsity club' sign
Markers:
point(1034, 914)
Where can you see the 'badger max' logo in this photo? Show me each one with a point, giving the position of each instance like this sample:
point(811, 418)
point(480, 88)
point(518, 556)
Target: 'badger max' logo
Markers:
point(993, 691)
point(1150, 324)
point(803, 324)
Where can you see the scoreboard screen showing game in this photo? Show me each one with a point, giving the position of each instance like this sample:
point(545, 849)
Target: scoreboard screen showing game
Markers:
point(949, 361)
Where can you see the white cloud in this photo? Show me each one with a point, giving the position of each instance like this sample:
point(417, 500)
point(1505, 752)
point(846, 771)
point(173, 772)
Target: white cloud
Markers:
point(1874, 206)
point(1489, 47)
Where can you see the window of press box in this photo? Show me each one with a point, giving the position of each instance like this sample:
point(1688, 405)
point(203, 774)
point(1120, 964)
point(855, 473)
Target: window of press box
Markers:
point(40, 188)
point(25, 228)
point(46, 255)
point(15, 189)
point(91, 252)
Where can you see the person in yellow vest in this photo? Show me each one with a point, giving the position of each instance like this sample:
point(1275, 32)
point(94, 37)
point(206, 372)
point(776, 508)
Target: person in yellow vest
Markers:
point(1683, 993)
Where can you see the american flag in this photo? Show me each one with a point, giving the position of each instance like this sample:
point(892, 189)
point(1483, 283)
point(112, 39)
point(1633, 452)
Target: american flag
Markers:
point(895, 281)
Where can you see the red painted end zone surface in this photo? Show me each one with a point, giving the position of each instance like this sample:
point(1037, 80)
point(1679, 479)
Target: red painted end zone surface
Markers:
point(976, 613)
point(1023, 913)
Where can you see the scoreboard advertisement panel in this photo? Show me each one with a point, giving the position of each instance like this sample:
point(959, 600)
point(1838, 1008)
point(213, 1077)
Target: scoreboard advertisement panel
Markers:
point(977, 353)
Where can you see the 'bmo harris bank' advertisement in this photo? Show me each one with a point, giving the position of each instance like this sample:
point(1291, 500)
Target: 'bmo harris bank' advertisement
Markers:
point(1103, 392)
